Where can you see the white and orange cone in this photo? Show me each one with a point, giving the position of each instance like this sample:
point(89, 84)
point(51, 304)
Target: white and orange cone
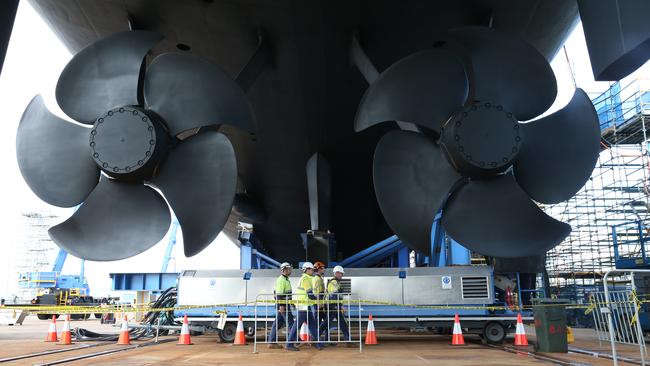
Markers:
point(304, 332)
point(66, 336)
point(371, 335)
point(520, 333)
point(125, 337)
point(51, 334)
point(457, 338)
point(240, 337)
point(184, 338)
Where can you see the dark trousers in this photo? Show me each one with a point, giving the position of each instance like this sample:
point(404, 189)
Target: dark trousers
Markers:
point(304, 316)
point(336, 317)
point(282, 318)
point(320, 313)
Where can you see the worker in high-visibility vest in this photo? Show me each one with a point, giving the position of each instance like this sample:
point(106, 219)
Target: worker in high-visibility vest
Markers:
point(319, 308)
point(335, 310)
point(319, 290)
point(318, 282)
point(283, 314)
point(304, 298)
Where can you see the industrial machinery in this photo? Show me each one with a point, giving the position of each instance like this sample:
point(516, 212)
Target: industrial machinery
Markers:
point(56, 289)
point(381, 274)
point(398, 289)
point(398, 282)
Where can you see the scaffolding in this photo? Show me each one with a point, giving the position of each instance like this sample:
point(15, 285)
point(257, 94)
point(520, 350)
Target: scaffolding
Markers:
point(617, 193)
point(37, 250)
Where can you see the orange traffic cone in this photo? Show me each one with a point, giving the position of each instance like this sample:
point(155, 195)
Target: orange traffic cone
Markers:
point(371, 336)
point(240, 337)
point(457, 338)
point(125, 337)
point(51, 334)
point(520, 333)
point(304, 332)
point(185, 333)
point(66, 336)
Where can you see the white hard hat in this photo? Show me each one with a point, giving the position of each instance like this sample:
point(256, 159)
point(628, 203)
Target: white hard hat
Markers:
point(285, 265)
point(338, 269)
point(307, 265)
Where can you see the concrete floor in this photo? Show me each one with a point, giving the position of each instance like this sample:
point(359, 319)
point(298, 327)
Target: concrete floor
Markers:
point(394, 349)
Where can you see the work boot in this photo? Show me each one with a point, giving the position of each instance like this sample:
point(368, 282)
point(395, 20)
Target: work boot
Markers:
point(274, 346)
point(291, 347)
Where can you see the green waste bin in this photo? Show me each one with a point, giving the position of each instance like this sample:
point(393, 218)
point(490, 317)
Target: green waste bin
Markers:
point(550, 325)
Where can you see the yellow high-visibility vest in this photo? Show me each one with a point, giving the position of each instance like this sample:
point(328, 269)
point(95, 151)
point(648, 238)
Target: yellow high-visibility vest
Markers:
point(333, 286)
point(282, 288)
point(301, 296)
point(318, 284)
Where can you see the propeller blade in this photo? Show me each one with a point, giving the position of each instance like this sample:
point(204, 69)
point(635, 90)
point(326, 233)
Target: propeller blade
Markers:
point(104, 75)
point(495, 217)
point(117, 221)
point(424, 88)
point(508, 71)
point(54, 156)
point(190, 92)
point(199, 180)
point(412, 181)
point(559, 151)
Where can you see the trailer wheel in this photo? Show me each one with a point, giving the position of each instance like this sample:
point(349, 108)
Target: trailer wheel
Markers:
point(494, 333)
point(227, 334)
point(98, 315)
point(44, 316)
point(249, 330)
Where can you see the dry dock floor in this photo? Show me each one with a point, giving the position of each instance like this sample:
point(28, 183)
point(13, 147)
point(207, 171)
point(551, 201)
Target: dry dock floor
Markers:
point(395, 348)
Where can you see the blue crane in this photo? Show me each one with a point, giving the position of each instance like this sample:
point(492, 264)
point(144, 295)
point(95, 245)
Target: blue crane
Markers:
point(60, 261)
point(170, 246)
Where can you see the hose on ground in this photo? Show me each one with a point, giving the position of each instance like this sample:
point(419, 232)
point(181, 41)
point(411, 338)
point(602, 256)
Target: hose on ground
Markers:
point(167, 299)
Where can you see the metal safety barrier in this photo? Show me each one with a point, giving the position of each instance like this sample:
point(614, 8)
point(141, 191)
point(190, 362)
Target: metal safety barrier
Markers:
point(621, 308)
point(321, 316)
point(616, 315)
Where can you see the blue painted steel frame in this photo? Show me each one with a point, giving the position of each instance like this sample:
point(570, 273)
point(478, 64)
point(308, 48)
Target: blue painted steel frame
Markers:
point(377, 252)
point(245, 256)
point(251, 258)
point(371, 251)
point(443, 255)
point(383, 311)
point(392, 248)
point(143, 281)
point(251, 254)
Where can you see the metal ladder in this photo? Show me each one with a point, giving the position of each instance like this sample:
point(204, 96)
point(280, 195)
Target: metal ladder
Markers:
point(63, 298)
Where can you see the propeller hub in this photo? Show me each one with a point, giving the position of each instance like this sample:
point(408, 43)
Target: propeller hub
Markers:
point(127, 143)
point(482, 139)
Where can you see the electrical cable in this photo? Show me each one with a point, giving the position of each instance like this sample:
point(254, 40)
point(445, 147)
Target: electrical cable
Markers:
point(167, 299)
